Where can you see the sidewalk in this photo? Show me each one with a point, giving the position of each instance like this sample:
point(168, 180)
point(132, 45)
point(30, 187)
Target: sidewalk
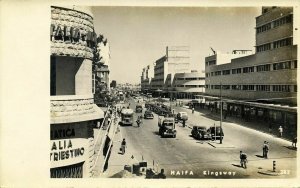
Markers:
point(256, 125)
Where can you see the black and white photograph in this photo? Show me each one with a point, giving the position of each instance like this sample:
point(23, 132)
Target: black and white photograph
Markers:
point(156, 93)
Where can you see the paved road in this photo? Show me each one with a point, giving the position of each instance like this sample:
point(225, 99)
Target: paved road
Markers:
point(185, 157)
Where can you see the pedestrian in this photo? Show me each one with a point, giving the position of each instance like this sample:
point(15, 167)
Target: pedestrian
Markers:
point(193, 109)
point(123, 146)
point(183, 123)
point(294, 142)
point(280, 129)
point(243, 158)
point(265, 149)
point(138, 121)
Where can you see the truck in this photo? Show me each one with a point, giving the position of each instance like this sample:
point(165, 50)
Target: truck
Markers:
point(167, 127)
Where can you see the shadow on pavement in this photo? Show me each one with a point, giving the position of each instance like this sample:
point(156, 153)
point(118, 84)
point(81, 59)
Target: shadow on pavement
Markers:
point(156, 133)
point(290, 147)
point(237, 165)
point(260, 156)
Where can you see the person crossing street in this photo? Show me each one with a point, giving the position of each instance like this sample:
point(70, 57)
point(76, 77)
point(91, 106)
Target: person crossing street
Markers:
point(243, 159)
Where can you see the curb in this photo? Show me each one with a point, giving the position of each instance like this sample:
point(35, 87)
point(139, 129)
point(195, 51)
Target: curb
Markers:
point(269, 173)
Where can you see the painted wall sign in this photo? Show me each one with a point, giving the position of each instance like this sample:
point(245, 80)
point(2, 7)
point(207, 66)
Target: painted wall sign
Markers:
point(67, 151)
point(72, 33)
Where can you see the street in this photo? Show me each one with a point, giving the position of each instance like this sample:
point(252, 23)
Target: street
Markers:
point(186, 157)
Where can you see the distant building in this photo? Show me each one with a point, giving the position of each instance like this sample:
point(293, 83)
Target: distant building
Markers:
point(175, 61)
point(146, 78)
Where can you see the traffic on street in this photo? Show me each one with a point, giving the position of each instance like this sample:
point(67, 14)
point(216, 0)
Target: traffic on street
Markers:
point(191, 144)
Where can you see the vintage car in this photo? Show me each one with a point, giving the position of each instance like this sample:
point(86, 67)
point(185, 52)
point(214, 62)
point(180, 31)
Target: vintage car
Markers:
point(216, 132)
point(201, 132)
point(138, 109)
point(148, 115)
point(182, 116)
point(166, 127)
point(207, 132)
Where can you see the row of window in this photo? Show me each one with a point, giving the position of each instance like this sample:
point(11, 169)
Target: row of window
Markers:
point(275, 88)
point(198, 78)
point(275, 44)
point(259, 68)
point(190, 86)
point(274, 24)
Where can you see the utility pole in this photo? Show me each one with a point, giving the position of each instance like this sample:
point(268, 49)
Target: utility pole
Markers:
point(221, 107)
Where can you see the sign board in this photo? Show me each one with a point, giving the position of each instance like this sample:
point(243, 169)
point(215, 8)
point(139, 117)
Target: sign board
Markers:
point(67, 151)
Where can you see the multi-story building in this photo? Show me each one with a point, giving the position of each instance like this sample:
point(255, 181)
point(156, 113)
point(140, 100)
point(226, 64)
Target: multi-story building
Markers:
point(187, 85)
point(268, 76)
point(176, 60)
point(73, 112)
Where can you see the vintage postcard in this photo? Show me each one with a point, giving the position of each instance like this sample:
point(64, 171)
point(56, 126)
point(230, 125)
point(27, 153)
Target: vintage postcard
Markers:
point(173, 94)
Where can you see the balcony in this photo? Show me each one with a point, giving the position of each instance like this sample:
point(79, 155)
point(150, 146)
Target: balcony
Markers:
point(74, 108)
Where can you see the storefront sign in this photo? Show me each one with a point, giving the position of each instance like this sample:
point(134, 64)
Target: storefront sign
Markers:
point(67, 151)
point(73, 33)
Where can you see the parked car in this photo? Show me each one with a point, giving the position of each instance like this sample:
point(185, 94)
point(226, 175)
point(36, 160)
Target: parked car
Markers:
point(207, 132)
point(201, 132)
point(182, 116)
point(218, 131)
point(148, 115)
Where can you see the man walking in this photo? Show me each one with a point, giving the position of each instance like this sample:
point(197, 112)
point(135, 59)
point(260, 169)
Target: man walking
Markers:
point(294, 143)
point(280, 129)
point(123, 146)
point(243, 158)
point(266, 149)
point(193, 109)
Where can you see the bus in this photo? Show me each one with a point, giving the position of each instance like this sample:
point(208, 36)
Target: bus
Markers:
point(127, 116)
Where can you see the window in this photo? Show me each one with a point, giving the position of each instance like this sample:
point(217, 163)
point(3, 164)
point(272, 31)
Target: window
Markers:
point(263, 47)
point(248, 87)
point(263, 28)
point(262, 88)
point(212, 73)
point(226, 72)
point(281, 21)
point(217, 73)
point(236, 71)
point(207, 75)
point(217, 87)
point(281, 88)
point(295, 64)
point(261, 68)
point(190, 78)
point(295, 88)
point(282, 65)
point(207, 86)
point(226, 87)
point(283, 42)
point(248, 69)
point(236, 87)
point(212, 62)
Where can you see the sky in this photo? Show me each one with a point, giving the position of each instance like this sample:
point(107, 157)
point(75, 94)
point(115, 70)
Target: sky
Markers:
point(138, 36)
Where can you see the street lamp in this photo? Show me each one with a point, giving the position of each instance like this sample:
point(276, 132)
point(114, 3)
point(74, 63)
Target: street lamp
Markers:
point(221, 106)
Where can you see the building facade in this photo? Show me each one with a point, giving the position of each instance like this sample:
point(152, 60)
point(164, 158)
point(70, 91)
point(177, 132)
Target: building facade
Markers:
point(268, 78)
point(72, 109)
point(187, 85)
point(176, 60)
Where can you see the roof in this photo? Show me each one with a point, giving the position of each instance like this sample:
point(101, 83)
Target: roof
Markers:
point(127, 111)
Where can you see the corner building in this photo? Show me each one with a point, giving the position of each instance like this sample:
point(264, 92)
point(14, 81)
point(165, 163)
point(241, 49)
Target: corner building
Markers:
point(72, 109)
point(264, 84)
